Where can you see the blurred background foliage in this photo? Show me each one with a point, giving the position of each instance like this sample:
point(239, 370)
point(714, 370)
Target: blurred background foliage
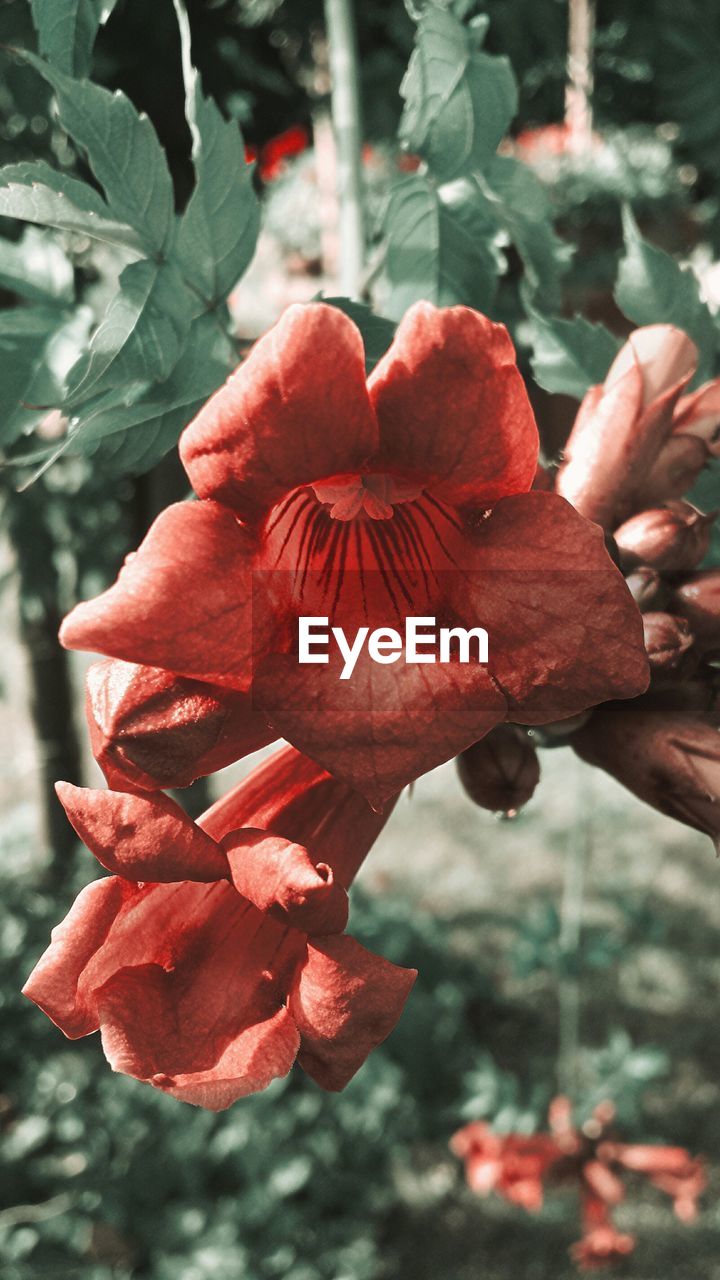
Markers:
point(104, 1179)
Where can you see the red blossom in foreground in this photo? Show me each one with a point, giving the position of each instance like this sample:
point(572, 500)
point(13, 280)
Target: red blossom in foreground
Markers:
point(215, 956)
point(368, 502)
point(519, 1167)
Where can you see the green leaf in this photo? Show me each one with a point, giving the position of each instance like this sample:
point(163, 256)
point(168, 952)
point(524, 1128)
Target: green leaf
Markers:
point(570, 355)
point(130, 436)
point(377, 332)
point(522, 207)
point(141, 335)
point(652, 288)
point(67, 29)
point(122, 150)
point(24, 335)
point(37, 193)
point(434, 252)
point(458, 101)
point(219, 228)
point(36, 268)
point(45, 389)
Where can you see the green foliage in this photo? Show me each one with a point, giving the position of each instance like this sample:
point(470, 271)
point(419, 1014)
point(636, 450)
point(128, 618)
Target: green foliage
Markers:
point(67, 29)
point(686, 65)
point(36, 268)
point(37, 193)
point(569, 356)
point(652, 289)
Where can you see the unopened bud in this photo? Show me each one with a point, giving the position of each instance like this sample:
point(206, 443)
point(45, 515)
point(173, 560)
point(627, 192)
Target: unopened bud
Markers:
point(647, 589)
point(698, 600)
point(674, 472)
point(150, 729)
point(501, 771)
point(668, 641)
point(672, 539)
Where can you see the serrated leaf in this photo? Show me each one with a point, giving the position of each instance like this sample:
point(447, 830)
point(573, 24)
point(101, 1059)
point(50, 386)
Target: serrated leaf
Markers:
point(569, 356)
point(128, 437)
point(122, 150)
point(458, 103)
point(377, 332)
point(218, 231)
point(67, 29)
point(35, 267)
point(522, 207)
point(433, 253)
point(141, 335)
point(34, 192)
point(24, 334)
point(652, 288)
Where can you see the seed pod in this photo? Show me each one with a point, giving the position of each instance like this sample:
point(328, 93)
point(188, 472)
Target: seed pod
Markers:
point(647, 589)
point(668, 641)
point(671, 539)
point(501, 771)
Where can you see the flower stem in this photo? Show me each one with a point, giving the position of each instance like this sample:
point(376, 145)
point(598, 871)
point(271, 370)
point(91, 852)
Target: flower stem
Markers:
point(571, 915)
point(345, 99)
point(578, 94)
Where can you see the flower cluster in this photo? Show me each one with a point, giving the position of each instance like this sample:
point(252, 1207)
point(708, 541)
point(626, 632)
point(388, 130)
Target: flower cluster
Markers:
point(215, 953)
point(519, 1167)
point(638, 445)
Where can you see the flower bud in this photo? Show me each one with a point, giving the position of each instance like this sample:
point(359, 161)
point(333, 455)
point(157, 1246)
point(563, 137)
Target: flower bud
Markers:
point(672, 539)
point(673, 473)
point(668, 641)
point(501, 771)
point(699, 415)
point(622, 425)
point(669, 759)
point(150, 729)
point(698, 600)
point(647, 588)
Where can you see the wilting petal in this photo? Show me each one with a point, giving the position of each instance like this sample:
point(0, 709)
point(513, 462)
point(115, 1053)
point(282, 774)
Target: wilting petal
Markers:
point(293, 797)
point(296, 411)
point(182, 600)
point(281, 879)
point(150, 729)
point(564, 632)
point(345, 1001)
point(452, 408)
point(384, 726)
point(57, 984)
point(142, 837)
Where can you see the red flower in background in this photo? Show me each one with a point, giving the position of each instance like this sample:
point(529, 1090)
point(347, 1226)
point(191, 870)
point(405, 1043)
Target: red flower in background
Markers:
point(272, 155)
point(408, 495)
point(519, 1167)
point(214, 955)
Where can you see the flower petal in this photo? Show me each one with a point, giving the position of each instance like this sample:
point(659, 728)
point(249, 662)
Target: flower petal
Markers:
point(182, 600)
point(383, 727)
point(142, 837)
point(452, 407)
point(296, 411)
point(564, 631)
point(281, 878)
point(345, 1002)
point(150, 729)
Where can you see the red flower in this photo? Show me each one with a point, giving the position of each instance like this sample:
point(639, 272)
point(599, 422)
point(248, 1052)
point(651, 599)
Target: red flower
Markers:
point(369, 503)
point(519, 1166)
point(215, 955)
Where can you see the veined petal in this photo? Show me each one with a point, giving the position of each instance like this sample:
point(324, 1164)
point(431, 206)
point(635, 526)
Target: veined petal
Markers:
point(182, 600)
point(150, 729)
point(452, 407)
point(142, 837)
point(564, 631)
point(345, 1002)
point(384, 726)
point(296, 411)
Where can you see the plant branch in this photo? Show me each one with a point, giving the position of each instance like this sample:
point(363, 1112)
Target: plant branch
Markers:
point(571, 915)
point(345, 102)
point(578, 94)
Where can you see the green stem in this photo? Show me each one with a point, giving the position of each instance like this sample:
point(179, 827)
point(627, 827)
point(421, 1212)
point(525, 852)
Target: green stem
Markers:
point(578, 95)
point(345, 101)
point(571, 916)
